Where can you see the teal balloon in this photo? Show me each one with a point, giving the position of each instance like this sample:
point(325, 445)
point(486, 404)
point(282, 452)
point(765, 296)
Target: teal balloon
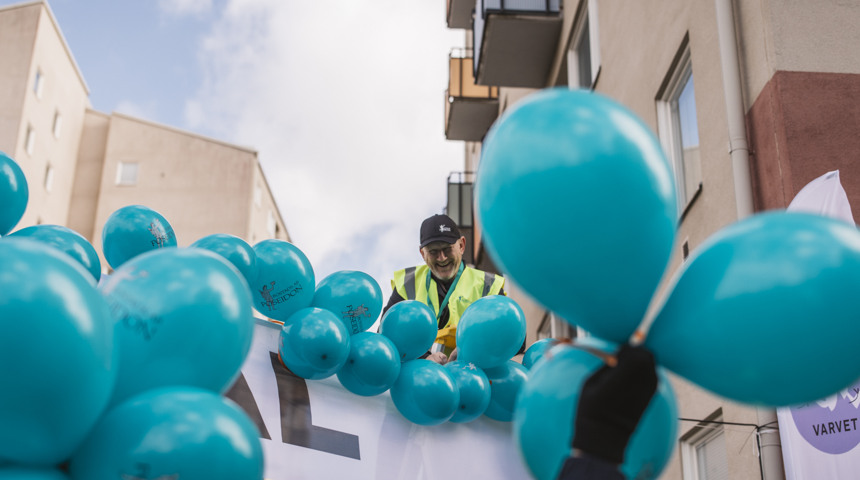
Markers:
point(285, 280)
point(183, 317)
point(372, 366)
point(425, 393)
point(25, 473)
point(491, 331)
point(544, 416)
point(14, 193)
point(67, 241)
point(314, 344)
point(762, 297)
point(234, 250)
point(594, 175)
point(177, 432)
point(474, 388)
point(355, 297)
point(57, 352)
point(133, 230)
point(506, 381)
point(411, 325)
point(536, 351)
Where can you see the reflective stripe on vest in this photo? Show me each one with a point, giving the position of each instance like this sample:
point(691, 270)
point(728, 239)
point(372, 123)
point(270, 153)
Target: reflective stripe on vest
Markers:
point(473, 285)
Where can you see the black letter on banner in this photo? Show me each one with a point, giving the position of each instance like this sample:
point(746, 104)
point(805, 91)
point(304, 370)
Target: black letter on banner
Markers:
point(240, 393)
point(297, 427)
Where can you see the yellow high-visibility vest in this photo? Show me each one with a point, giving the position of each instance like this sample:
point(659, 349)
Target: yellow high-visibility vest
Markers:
point(411, 284)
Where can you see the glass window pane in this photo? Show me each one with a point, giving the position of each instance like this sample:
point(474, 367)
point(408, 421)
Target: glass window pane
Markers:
point(687, 113)
point(711, 458)
point(583, 56)
point(127, 174)
point(689, 127)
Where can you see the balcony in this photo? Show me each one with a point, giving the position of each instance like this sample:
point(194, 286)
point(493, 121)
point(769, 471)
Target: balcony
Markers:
point(459, 13)
point(515, 41)
point(470, 109)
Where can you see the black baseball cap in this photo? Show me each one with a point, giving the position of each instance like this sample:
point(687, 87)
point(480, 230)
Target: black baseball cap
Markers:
point(439, 228)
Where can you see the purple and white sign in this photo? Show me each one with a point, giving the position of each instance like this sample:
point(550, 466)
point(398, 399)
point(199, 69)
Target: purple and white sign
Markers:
point(831, 425)
point(820, 439)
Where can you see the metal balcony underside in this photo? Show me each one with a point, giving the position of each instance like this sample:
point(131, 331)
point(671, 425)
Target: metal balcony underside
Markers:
point(517, 50)
point(460, 13)
point(470, 118)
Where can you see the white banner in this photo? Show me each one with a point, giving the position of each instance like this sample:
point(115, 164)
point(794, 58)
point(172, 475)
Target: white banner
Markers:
point(824, 196)
point(316, 429)
point(819, 439)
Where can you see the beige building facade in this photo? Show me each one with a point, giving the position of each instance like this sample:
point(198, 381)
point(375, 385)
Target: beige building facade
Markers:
point(751, 101)
point(82, 165)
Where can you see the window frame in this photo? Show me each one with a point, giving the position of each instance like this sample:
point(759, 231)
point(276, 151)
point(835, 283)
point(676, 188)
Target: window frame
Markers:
point(30, 140)
point(258, 195)
point(121, 181)
point(669, 126)
point(48, 181)
point(697, 437)
point(39, 84)
point(555, 327)
point(587, 12)
point(271, 224)
point(57, 126)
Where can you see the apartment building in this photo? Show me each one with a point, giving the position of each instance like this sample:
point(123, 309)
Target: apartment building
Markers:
point(751, 100)
point(82, 165)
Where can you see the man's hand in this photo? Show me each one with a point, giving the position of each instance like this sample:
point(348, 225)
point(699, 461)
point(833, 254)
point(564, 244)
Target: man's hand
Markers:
point(612, 402)
point(438, 357)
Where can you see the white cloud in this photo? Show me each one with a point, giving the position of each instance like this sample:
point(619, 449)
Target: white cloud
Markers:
point(185, 7)
point(344, 102)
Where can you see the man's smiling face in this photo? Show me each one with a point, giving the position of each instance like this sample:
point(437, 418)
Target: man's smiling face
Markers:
point(444, 258)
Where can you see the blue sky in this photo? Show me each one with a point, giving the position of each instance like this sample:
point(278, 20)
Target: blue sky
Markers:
point(342, 99)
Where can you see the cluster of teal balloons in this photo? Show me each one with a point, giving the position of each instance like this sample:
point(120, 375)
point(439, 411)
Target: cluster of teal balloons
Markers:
point(594, 176)
point(121, 374)
point(325, 333)
point(483, 380)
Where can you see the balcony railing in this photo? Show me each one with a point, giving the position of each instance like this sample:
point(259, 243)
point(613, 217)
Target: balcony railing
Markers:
point(515, 41)
point(460, 208)
point(470, 109)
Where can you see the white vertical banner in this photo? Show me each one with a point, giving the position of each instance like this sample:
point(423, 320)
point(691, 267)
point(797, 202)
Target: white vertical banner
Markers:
point(316, 429)
point(820, 439)
point(824, 196)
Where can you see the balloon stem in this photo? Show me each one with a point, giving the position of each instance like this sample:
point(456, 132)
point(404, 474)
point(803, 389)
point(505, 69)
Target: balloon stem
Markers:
point(607, 358)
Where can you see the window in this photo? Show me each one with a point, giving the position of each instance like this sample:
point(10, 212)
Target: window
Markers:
point(258, 195)
point(58, 124)
point(583, 57)
point(703, 454)
point(679, 128)
point(39, 84)
point(126, 173)
point(30, 140)
point(49, 177)
point(271, 224)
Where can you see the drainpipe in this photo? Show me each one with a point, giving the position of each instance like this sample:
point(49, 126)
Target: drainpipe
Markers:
point(738, 146)
point(771, 461)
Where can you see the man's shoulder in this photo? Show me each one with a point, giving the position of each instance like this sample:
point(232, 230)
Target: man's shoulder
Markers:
point(407, 270)
point(476, 271)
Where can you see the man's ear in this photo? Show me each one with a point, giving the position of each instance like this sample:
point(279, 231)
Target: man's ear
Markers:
point(462, 243)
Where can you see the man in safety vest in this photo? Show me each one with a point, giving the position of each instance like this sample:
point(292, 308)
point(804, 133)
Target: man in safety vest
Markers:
point(444, 282)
